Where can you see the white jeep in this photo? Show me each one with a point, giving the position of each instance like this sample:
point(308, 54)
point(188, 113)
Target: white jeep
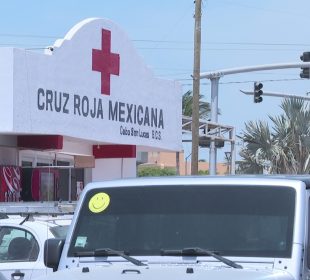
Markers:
point(187, 228)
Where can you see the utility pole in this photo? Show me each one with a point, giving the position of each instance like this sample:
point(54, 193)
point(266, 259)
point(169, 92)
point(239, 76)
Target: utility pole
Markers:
point(196, 88)
point(177, 161)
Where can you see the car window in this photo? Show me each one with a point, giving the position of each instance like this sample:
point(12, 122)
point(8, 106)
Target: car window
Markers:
point(17, 245)
point(240, 221)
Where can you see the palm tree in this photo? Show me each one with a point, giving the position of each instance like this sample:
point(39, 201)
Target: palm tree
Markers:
point(187, 110)
point(187, 106)
point(292, 132)
point(286, 148)
point(258, 147)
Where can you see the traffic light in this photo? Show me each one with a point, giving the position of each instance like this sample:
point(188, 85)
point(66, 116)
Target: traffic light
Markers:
point(258, 92)
point(305, 73)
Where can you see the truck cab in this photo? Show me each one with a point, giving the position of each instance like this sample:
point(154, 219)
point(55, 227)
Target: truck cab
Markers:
point(200, 227)
point(24, 227)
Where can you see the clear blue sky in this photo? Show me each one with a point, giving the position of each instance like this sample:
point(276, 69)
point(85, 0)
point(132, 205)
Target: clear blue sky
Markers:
point(234, 33)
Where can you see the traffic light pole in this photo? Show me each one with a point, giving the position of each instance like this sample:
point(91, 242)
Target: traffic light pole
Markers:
point(214, 76)
point(214, 118)
point(231, 71)
point(278, 94)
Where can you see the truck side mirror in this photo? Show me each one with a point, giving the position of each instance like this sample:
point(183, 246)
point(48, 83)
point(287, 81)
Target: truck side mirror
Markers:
point(52, 252)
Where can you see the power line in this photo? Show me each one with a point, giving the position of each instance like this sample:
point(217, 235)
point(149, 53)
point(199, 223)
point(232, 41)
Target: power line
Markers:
point(249, 81)
point(177, 48)
point(221, 43)
point(214, 49)
point(27, 36)
point(270, 80)
point(176, 23)
point(180, 49)
point(182, 71)
point(16, 35)
point(21, 45)
point(264, 9)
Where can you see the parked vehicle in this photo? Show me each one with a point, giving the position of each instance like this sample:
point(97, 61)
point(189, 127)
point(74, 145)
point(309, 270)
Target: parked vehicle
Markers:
point(24, 227)
point(187, 228)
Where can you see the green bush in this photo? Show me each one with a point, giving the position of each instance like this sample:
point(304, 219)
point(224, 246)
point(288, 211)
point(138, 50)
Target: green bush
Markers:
point(203, 172)
point(155, 171)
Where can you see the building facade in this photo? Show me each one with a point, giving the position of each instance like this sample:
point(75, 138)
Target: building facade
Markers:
point(80, 112)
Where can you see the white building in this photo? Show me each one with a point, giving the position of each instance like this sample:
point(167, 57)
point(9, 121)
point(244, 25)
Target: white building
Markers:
point(80, 112)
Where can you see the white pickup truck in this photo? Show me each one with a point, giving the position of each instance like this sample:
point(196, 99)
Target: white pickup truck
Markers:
point(187, 228)
point(24, 227)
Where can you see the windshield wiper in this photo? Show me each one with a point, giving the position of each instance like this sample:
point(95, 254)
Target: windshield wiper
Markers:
point(196, 251)
point(109, 252)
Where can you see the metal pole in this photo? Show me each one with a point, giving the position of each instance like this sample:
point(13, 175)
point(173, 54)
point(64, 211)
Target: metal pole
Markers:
point(186, 166)
point(196, 88)
point(69, 190)
point(246, 69)
point(278, 94)
point(186, 163)
point(232, 152)
point(122, 168)
point(177, 163)
point(214, 117)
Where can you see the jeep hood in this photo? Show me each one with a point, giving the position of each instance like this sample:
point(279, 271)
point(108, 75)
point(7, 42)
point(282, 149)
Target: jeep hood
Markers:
point(155, 272)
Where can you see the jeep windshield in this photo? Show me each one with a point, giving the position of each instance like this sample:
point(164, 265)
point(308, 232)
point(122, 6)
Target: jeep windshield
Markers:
point(229, 220)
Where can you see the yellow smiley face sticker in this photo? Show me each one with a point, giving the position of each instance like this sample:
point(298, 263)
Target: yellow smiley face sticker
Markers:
point(99, 202)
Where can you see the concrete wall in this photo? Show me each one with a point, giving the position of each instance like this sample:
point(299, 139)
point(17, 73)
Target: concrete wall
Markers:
point(168, 159)
point(114, 168)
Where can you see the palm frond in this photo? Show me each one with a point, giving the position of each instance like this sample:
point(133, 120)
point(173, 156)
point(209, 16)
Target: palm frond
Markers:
point(286, 145)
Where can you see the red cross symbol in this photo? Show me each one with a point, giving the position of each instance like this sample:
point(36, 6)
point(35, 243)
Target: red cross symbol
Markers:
point(105, 62)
